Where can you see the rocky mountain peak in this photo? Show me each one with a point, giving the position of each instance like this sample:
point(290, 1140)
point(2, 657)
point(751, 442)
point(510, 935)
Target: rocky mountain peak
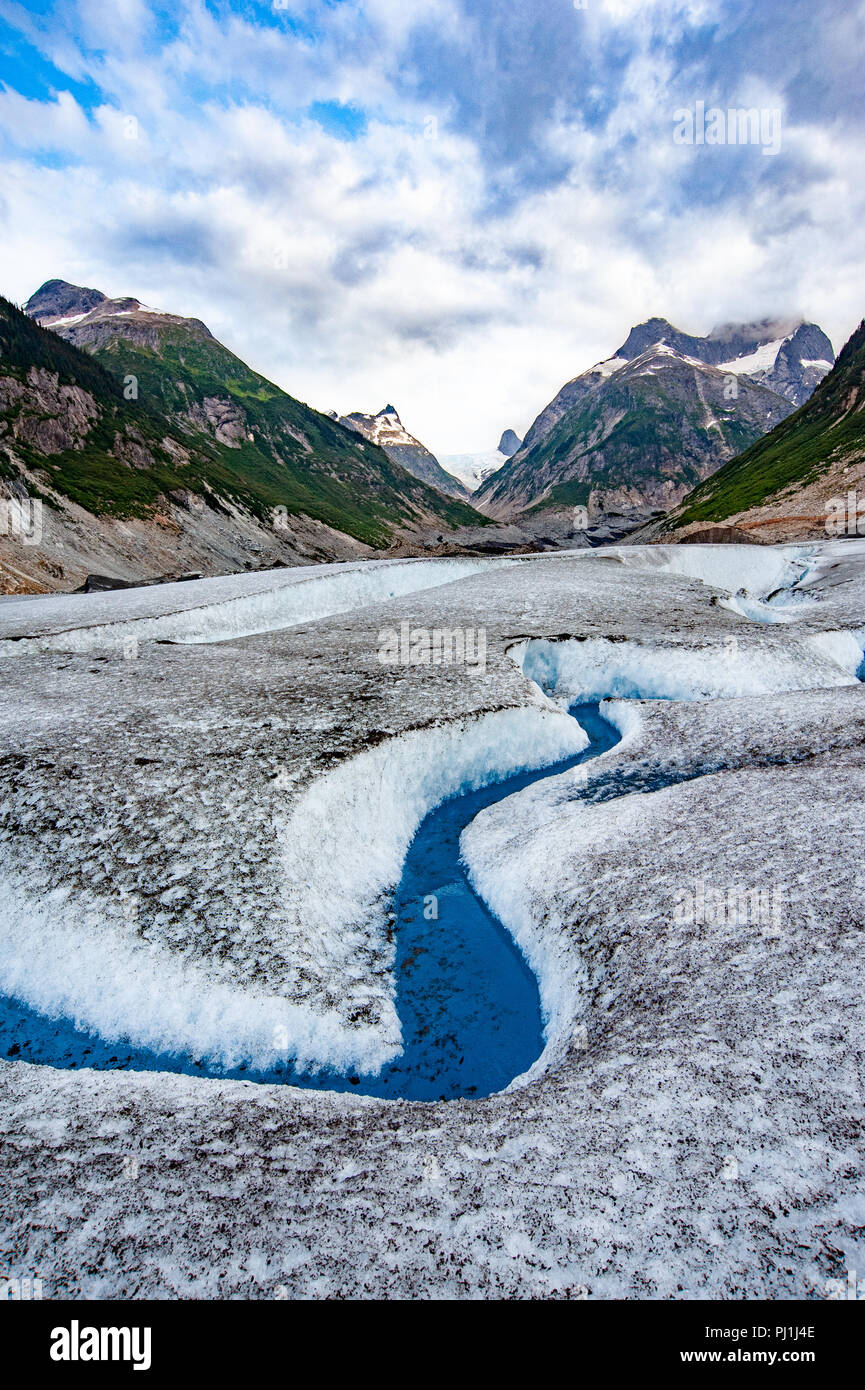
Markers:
point(386, 429)
point(635, 432)
point(89, 319)
point(753, 348)
point(645, 335)
point(786, 485)
point(786, 355)
point(58, 299)
point(509, 443)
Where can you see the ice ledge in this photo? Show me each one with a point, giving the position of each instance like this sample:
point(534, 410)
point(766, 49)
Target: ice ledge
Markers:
point(332, 590)
point(71, 955)
point(344, 843)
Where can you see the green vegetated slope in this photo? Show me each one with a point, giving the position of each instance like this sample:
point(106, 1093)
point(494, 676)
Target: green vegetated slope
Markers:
point(86, 408)
point(828, 429)
point(638, 431)
point(297, 458)
point(125, 457)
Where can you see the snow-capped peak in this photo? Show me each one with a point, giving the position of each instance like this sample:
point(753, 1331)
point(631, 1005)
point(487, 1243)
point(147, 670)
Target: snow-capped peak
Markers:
point(384, 428)
point(762, 359)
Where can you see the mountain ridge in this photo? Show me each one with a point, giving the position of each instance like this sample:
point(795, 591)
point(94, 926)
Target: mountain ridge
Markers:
point(387, 430)
point(582, 448)
point(723, 347)
point(793, 482)
point(137, 425)
point(637, 440)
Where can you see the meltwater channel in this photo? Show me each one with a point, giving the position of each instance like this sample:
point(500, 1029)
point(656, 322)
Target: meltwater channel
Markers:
point(467, 1001)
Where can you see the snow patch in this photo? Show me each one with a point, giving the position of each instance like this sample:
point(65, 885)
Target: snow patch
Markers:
point(761, 360)
point(607, 368)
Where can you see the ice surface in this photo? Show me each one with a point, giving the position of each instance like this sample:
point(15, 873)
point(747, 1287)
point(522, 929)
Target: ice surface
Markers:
point(216, 610)
point(473, 469)
point(598, 669)
point(344, 844)
point(845, 649)
point(694, 1127)
point(760, 570)
point(347, 836)
point(92, 970)
point(765, 584)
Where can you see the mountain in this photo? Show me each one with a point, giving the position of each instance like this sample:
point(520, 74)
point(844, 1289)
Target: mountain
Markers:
point(792, 481)
point(509, 443)
point(633, 435)
point(155, 448)
point(474, 469)
point(387, 430)
point(789, 358)
point(57, 301)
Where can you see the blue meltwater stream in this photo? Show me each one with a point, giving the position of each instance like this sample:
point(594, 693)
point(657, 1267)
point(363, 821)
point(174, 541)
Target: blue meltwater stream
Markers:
point(467, 1001)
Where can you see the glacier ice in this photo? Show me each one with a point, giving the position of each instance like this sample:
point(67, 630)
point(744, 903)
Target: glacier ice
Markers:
point(668, 1049)
point(343, 845)
point(600, 669)
point(326, 591)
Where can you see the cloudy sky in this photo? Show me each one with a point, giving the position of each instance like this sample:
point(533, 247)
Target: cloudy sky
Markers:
point(451, 205)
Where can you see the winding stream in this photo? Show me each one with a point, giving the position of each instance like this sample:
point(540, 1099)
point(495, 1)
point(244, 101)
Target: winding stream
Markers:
point(468, 1003)
point(467, 1000)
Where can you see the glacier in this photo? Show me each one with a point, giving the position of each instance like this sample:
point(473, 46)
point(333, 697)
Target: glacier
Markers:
point(203, 840)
